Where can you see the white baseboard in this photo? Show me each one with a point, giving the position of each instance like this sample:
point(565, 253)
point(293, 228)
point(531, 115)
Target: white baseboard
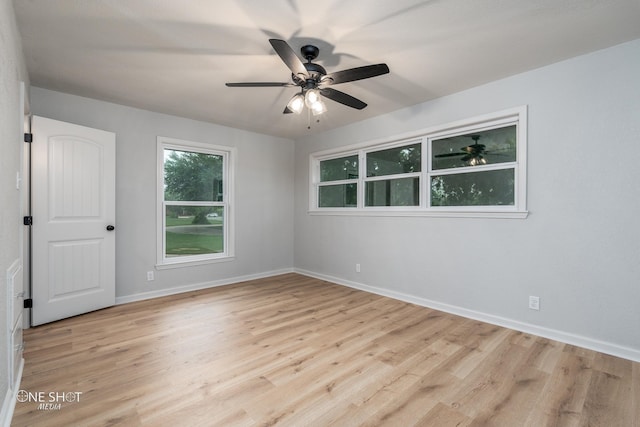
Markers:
point(9, 404)
point(198, 286)
point(554, 334)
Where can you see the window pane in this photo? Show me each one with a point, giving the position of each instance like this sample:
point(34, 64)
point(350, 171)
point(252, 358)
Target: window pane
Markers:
point(490, 188)
point(194, 230)
point(338, 196)
point(394, 161)
point(393, 192)
point(190, 176)
point(475, 149)
point(339, 169)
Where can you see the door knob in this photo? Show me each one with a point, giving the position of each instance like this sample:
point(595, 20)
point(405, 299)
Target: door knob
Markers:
point(110, 228)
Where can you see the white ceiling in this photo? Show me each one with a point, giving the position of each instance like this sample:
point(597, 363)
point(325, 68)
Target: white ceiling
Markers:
point(174, 56)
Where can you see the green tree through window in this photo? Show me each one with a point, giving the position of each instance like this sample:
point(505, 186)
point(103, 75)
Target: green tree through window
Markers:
point(190, 176)
point(195, 203)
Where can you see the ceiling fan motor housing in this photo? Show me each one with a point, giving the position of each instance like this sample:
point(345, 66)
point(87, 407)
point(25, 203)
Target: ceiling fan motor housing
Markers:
point(309, 52)
point(315, 71)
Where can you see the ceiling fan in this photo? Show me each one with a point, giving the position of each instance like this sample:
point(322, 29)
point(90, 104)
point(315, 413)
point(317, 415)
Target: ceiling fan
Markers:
point(473, 154)
point(313, 79)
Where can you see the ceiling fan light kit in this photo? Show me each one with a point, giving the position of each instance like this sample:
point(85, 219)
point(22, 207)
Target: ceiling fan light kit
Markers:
point(318, 107)
point(313, 78)
point(477, 161)
point(296, 104)
point(311, 97)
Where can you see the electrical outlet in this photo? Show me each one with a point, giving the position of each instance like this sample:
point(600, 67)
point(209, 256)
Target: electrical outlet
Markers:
point(357, 268)
point(534, 303)
point(150, 276)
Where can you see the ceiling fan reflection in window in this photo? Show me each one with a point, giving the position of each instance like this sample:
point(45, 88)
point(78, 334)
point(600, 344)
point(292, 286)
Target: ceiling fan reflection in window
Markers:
point(476, 153)
point(473, 154)
point(313, 80)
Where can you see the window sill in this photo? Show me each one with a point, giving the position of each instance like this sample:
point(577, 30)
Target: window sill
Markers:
point(181, 264)
point(422, 213)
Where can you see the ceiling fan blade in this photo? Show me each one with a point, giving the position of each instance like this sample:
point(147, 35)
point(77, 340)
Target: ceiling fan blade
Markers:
point(289, 57)
point(287, 110)
point(259, 84)
point(352, 74)
point(449, 155)
point(343, 98)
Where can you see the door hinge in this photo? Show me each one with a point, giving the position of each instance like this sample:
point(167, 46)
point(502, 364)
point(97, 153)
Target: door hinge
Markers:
point(27, 220)
point(28, 137)
point(28, 303)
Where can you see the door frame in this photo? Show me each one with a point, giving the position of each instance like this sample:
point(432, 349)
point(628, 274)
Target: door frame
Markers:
point(25, 200)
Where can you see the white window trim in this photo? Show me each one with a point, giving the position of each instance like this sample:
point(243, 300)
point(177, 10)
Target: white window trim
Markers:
point(517, 116)
point(315, 167)
point(363, 172)
point(229, 161)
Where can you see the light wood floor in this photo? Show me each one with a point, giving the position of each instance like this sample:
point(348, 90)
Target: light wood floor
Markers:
point(296, 351)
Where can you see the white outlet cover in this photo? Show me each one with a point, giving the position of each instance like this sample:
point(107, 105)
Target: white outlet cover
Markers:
point(534, 303)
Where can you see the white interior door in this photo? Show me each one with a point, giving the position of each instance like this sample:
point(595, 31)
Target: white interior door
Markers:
point(73, 208)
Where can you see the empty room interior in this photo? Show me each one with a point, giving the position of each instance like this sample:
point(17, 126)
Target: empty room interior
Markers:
point(296, 213)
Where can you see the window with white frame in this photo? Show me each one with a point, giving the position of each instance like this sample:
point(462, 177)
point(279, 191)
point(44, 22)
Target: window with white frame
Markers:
point(393, 176)
point(194, 202)
point(338, 182)
point(475, 167)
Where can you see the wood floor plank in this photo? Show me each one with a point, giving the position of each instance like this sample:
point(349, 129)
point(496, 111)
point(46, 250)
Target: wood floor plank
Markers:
point(291, 350)
point(444, 415)
point(607, 393)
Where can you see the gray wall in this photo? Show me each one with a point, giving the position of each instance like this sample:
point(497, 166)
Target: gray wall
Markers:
point(12, 72)
point(579, 249)
point(264, 193)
